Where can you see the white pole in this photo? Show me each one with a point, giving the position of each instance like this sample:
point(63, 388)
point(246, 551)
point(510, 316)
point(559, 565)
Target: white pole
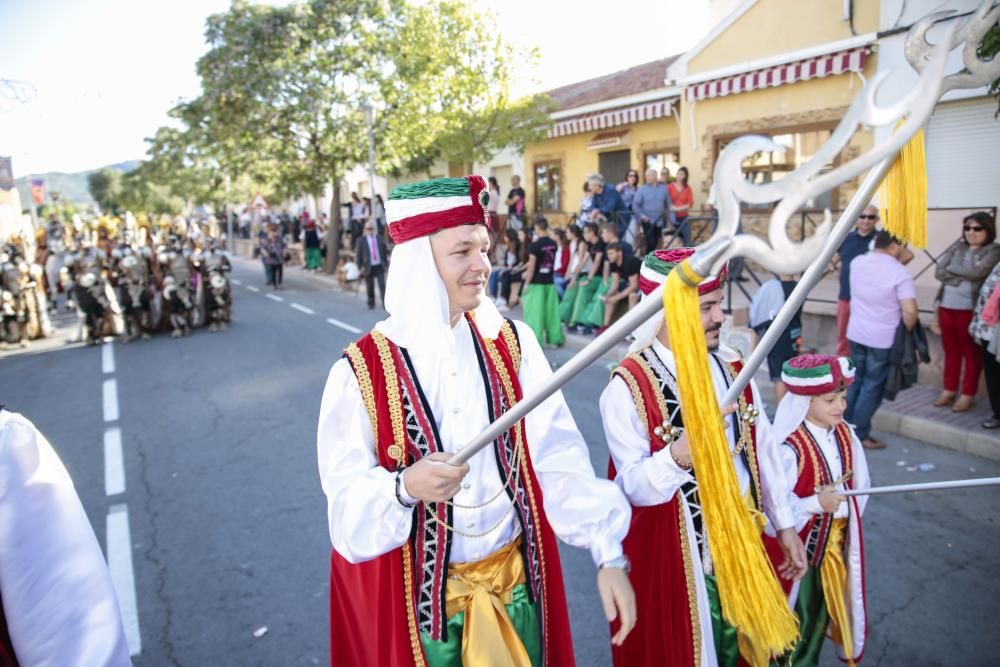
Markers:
point(926, 486)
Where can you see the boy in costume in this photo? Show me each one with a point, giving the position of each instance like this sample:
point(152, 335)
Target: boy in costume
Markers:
point(822, 456)
point(676, 592)
point(441, 565)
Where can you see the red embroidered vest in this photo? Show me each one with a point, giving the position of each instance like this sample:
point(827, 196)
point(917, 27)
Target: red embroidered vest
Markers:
point(380, 608)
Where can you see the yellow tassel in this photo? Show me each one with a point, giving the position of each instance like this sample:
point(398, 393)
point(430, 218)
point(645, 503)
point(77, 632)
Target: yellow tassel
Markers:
point(903, 194)
point(751, 599)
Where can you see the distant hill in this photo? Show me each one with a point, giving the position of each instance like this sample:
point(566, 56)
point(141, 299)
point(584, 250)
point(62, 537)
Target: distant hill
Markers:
point(71, 187)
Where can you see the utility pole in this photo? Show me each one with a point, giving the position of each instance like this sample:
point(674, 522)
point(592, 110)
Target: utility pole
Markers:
point(230, 241)
point(370, 122)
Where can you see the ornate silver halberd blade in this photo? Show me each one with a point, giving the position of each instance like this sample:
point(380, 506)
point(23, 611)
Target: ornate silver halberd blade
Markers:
point(781, 254)
point(970, 34)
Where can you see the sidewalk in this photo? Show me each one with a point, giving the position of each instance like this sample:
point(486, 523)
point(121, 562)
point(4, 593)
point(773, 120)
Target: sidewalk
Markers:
point(911, 415)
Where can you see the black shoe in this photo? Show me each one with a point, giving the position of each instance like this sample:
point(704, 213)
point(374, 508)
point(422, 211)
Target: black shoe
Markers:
point(991, 423)
point(371, 306)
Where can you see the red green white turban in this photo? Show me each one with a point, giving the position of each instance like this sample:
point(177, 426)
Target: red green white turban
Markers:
point(659, 263)
point(420, 209)
point(815, 374)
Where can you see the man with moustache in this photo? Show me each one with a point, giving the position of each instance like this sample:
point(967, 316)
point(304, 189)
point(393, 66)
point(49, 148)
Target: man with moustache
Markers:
point(448, 565)
point(676, 593)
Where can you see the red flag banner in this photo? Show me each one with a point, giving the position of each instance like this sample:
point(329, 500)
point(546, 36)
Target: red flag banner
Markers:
point(38, 190)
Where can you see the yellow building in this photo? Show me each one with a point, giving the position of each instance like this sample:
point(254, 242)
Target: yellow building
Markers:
point(608, 124)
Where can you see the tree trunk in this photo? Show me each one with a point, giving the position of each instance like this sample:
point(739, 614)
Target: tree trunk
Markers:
point(333, 232)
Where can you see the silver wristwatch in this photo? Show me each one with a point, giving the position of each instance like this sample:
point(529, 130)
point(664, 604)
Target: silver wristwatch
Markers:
point(620, 563)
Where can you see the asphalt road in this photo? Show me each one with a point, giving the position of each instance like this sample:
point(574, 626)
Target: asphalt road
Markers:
point(228, 522)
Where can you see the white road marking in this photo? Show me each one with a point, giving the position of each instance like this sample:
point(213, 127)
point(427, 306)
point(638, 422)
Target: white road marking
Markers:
point(253, 288)
point(110, 400)
point(107, 359)
point(274, 297)
point(122, 574)
point(307, 311)
point(114, 462)
point(236, 282)
point(343, 325)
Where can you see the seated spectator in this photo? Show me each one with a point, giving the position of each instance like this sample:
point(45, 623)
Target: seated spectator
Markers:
point(578, 262)
point(609, 234)
point(510, 282)
point(624, 282)
point(504, 259)
point(588, 282)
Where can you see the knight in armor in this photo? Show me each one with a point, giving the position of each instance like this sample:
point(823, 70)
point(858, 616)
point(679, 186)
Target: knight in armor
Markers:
point(821, 457)
point(178, 289)
point(55, 256)
point(436, 564)
point(14, 286)
point(132, 272)
point(59, 605)
point(676, 593)
point(213, 266)
point(86, 273)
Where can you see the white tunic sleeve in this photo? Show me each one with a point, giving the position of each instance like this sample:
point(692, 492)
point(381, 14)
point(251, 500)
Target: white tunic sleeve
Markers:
point(776, 488)
point(584, 511)
point(58, 599)
point(365, 518)
point(646, 479)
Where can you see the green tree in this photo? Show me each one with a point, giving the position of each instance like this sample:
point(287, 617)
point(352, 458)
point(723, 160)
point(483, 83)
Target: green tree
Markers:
point(105, 186)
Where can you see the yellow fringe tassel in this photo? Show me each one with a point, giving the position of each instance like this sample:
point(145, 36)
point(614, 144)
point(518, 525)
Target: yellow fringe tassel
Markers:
point(903, 194)
point(752, 601)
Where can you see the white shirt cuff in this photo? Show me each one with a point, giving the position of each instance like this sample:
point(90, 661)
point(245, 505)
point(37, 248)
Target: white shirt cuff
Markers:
point(403, 495)
point(604, 548)
point(664, 473)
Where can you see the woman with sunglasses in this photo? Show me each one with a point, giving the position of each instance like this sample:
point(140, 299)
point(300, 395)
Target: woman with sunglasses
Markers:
point(961, 270)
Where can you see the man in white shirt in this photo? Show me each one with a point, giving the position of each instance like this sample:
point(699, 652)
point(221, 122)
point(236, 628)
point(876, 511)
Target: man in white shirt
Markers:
point(437, 564)
point(668, 544)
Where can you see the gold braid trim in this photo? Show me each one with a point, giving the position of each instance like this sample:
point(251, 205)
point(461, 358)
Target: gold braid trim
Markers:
point(748, 441)
point(633, 387)
point(364, 377)
point(411, 621)
point(510, 337)
point(508, 389)
point(398, 449)
point(689, 571)
point(654, 382)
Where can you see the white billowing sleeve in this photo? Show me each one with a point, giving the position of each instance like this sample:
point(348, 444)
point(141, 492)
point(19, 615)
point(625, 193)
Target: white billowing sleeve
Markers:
point(862, 478)
point(802, 508)
point(646, 479)
point(58, 599)
point(584, 511)
point(366, 520)
point(776, 487)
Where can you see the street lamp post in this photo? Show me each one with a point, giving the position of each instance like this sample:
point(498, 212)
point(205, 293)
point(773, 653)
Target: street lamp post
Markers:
point(230, 242)
point(370, 122)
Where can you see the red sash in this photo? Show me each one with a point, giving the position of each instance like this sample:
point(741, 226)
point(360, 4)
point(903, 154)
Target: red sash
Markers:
point(374, 615)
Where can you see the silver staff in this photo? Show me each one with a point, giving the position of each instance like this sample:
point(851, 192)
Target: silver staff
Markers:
point(651, 306)
point(925, 486)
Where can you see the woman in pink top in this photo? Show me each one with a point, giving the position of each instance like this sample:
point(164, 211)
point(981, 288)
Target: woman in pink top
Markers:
point(681, 201)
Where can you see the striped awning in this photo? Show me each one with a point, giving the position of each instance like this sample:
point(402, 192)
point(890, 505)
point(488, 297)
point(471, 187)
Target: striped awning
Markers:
point(852, 60)
point(602, 120)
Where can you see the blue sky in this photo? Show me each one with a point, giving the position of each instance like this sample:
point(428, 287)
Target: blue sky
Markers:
point(105, 72)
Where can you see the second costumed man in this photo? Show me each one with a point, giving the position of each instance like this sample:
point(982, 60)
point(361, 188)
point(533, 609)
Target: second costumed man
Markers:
point(676, 593)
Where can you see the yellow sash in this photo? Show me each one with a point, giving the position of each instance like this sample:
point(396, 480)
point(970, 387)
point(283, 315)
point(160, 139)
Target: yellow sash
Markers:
point(482, 589)
point(833, 576)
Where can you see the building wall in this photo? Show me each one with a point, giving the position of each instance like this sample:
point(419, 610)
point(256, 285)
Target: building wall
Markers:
point(578, 161)
point(772, 27)
point(802, 105)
